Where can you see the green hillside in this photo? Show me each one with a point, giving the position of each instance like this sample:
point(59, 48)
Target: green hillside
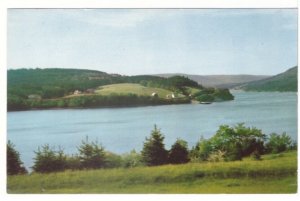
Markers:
point(286, 81)
point(275, 173)
point(64, 88)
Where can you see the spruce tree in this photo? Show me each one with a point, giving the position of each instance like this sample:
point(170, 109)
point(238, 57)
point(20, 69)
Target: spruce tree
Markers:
point(92, 155)
point(179, 152)
point(14, 163)
point(154, 152)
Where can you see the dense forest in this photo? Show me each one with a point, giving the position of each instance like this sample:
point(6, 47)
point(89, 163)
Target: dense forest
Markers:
point(50, 88)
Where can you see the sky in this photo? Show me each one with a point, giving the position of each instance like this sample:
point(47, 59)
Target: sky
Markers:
point(152, 41)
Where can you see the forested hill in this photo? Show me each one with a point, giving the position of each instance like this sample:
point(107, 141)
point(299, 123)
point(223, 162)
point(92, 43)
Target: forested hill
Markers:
point(54, 83)
point(286, 81)
point(65, 88)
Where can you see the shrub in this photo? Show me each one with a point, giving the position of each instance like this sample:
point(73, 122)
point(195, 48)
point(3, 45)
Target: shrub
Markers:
point(49, 160)
point(112, 160)
point(179, 152)
point(278, 143)
point(202, 150)
point(154, 152)
point(238, 141)
point(217, 156)
point(14, 163)
point(256, 155)
point(132, 159)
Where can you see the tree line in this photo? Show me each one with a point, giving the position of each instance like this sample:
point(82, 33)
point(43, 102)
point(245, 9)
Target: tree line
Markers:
point(112, 100)
point(228, 144)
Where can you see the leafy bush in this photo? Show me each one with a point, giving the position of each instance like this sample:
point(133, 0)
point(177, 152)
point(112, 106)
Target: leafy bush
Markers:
point(238, 141)
point(217, 156)
point(256, 155)
point(49, 160)
point(112, 160)
point(279, 143)
point(235, 142)
point(179, 152)
point(154, 152)
point(132, 159)
point(202, 150)
point(14, 163)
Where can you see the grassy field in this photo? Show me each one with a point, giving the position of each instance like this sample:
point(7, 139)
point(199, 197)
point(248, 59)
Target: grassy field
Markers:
point(273, 174)
point(192, 90)
point(137, 89)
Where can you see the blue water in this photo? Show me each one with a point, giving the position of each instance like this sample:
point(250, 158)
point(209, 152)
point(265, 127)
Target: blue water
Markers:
point(122, 129)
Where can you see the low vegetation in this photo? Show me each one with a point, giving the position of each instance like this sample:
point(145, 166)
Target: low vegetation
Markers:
point(274, 173)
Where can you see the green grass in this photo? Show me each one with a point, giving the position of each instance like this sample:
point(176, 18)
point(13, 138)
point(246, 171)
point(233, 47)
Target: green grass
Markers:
point(137, 89)
point(273, 174)
point(192, 90)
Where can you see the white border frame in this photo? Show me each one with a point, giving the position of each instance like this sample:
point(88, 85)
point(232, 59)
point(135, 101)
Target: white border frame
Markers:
point(5, 4)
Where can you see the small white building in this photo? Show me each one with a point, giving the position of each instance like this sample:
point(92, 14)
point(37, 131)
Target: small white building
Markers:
point(173, 95)
point(154, 94)
point(34, 97)
point(76, 92)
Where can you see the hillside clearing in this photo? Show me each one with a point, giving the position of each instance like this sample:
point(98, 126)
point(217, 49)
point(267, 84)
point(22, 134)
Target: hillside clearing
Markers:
point(127, 88)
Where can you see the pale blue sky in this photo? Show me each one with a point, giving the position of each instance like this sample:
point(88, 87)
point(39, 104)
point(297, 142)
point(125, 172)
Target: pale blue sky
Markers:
point(149, 41)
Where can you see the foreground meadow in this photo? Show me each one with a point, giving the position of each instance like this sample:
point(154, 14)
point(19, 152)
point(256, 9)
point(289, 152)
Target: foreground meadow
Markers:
point(274, 173)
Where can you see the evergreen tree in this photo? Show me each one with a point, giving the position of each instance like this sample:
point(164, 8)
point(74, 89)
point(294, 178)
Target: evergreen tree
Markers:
point(14, 163)
point(92, 155)
point(154, 152)
point(179, 152)
point(47, 159)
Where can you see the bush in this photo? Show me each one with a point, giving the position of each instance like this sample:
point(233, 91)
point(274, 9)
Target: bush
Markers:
point(278, 143)
point(49, 160)
point(154, 152)
point(202, 150)
point(132, 159)
point(179, 152)
point(14, 163)
point(256, 155)
point(238, 141)
point(112, 160)
point(217, 156)
point(92, 155)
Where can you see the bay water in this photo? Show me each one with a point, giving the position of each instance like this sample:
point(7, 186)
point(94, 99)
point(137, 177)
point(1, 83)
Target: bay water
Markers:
point(121, 130)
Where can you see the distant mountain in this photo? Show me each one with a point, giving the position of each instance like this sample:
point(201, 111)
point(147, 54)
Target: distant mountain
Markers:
point(286, 81)
point(220, 81)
